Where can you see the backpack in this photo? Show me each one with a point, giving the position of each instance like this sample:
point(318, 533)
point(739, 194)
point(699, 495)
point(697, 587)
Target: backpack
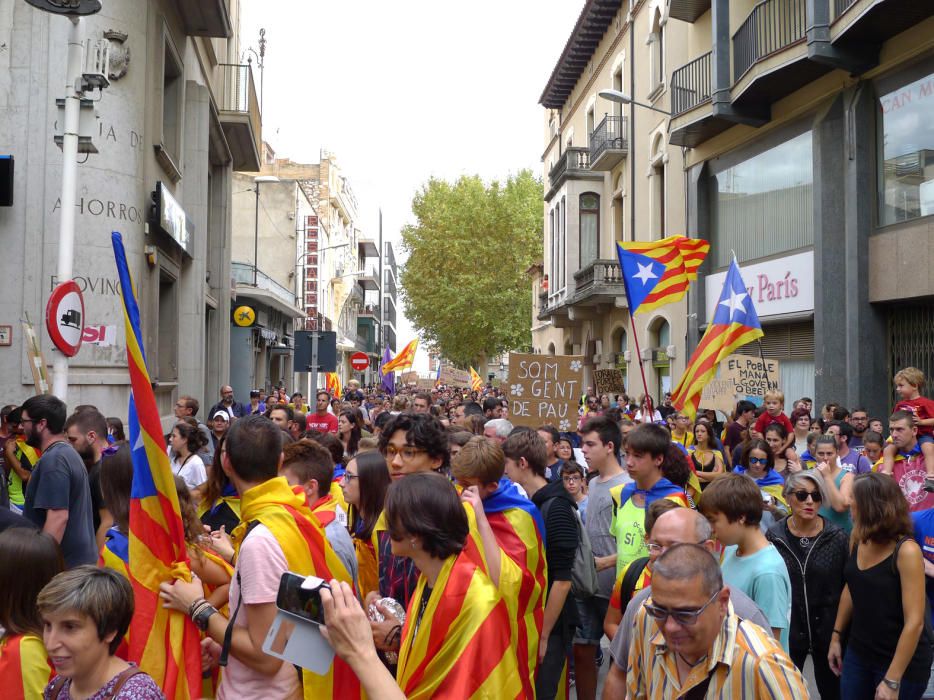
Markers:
point(584, 571)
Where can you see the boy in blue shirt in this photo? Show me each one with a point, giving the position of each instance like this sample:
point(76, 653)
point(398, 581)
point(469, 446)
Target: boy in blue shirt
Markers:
point(733, 505)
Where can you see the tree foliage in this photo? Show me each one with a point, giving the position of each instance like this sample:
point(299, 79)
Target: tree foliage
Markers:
point(465, 283)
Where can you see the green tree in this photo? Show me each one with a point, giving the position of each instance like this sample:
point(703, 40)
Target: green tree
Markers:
point(465, 283)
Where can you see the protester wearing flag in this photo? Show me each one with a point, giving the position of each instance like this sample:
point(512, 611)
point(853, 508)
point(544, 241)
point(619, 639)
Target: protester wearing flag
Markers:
point(734, 324)
point(514, 548)
point(165, 644)
point(402, 360)
point(278, 533)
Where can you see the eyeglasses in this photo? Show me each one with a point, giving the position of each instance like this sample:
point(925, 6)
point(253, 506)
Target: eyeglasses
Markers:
point(350, 477)
point(682, 617)
point(659, 549)
point(408, 453)
point(802, 496)
point(758, 460)
point(575, 477)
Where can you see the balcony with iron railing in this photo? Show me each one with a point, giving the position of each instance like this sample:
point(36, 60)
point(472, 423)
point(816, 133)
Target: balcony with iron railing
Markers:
point(690, 85)
point(772, 25)
point(247, 277)
point(608, 145)
point(600, 282)
point(861, 27)
point(371, 310)
point(573, 164)
point(240, 117)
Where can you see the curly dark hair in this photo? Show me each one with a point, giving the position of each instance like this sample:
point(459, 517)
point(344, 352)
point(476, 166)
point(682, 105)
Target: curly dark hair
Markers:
point(421, 430)
point(191, 434)
point(675, 466)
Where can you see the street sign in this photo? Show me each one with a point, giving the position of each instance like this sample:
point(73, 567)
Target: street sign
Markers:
point(64, 317)
point(359, 361)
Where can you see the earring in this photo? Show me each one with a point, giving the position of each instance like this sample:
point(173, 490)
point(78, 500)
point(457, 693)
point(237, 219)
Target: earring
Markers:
point(412, 542)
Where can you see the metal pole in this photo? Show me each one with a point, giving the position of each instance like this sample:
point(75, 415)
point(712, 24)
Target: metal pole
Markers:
point(256, 234)
point(66, 231)
point(314, 360)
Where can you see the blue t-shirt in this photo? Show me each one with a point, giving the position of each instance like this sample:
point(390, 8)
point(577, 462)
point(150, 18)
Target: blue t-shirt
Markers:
point(924, 536)
point(764, 578)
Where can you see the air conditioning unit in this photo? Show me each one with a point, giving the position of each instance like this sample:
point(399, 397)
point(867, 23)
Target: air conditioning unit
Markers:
point(671, 351)
point(647, 355)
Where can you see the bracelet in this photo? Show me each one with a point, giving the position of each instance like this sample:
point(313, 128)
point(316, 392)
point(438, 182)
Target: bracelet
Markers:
point(203, 616)
point(836, 631)
point(194, 605)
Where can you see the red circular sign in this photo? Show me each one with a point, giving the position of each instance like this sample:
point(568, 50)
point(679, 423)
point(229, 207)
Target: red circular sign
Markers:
point(64, 317)
point(359, 361)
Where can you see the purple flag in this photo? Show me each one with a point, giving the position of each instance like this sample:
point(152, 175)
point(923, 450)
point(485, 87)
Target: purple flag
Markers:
point(389, 379)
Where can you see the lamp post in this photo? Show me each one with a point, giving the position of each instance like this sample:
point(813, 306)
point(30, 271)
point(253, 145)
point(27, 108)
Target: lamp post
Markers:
point(74, 89)
point(257, 181)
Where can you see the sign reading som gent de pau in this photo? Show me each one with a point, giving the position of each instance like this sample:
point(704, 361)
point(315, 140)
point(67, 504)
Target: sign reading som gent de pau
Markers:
point(544, 389)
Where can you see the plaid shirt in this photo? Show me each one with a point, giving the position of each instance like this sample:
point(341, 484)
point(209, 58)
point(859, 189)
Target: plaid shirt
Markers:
point(744, 662)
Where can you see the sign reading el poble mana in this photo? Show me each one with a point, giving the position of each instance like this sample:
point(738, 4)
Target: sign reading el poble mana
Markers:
point(544, 390)
point(741, 377)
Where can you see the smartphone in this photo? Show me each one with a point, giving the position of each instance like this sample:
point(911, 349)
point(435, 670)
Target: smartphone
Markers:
point(301, 596)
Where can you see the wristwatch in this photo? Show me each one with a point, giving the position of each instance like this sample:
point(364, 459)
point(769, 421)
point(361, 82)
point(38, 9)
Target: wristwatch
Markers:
point(894, 685)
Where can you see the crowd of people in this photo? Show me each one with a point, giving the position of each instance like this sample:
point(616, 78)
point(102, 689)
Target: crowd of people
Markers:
point(697, 557)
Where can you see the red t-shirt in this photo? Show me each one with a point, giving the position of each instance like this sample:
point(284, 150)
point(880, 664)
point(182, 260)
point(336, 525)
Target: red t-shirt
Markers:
point(323, 424)
point(766, 419)
point(921, 408)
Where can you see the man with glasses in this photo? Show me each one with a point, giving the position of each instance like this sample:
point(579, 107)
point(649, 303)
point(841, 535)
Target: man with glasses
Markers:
point(188, 406)
point(859, 421)
point(689, 642)
point(679, 525)
point(58, 496)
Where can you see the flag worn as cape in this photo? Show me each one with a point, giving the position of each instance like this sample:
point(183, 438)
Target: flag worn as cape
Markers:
point(662, 489)
point(462, 646)
point(403, 359)
point(734, 323)
point(656, 273)
point(24, 667)
point(476, 383)
point(519, 530)
point(772, 483)
point(165, 643)
point(307, 552)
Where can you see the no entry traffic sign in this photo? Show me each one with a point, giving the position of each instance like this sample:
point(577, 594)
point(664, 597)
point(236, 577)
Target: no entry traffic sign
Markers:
point(359, 361)
point(64, 317)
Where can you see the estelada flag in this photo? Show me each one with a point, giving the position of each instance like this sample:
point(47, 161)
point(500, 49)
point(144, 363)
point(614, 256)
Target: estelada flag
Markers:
point(734, 324)
point(403, 359)
point(519, 530)
point(476, 383)
point(656, 273)
point(165, 643)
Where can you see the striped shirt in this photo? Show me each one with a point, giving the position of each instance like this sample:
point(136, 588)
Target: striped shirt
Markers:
point(744, 662)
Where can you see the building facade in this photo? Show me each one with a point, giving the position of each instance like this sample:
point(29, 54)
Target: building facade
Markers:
point(389, 298)
point(179, 116)
point(810, 142)
point(611, 174)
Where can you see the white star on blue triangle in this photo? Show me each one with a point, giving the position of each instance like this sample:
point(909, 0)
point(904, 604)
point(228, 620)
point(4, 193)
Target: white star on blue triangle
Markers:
point(735, 305)
point(641, 274)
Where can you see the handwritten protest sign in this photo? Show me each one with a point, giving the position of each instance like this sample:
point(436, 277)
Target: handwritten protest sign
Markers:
point(741, 377)
point(452, 376)
point(609, 381)
point(425, 384)
point(409, 378)
point(544, 389)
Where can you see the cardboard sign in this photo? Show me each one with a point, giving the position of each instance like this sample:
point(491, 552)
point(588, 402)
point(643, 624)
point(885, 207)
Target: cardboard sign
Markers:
point(451, 376)
point(409, 378)
point(741, 377)
point(425, 384)
point(545, 389)
point(609, 381)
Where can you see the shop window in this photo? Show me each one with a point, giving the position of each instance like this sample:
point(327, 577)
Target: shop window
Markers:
point(589, 228)
point(763, 205)
point(906, 176)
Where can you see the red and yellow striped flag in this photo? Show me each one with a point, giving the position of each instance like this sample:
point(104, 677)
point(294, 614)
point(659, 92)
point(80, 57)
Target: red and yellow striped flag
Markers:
point(476, 383)
point(681, 257)
point(332, 384)
point(462, 649)
point(164, 642)
point(402, 360)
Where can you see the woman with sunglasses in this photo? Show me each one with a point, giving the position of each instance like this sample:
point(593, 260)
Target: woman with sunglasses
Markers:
point(815, 553)
point(759, 462)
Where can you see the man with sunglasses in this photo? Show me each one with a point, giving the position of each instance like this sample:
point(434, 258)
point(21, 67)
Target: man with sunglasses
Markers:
point(688, 642)
point(677, 526)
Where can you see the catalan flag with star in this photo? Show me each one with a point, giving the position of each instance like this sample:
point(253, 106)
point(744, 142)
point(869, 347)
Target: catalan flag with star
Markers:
point(734, 323)
point(404, 359)
point(165, 643)
point(656, 273)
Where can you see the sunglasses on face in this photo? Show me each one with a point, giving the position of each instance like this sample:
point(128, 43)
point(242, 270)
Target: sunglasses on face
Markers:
point(802, 496)
point(758, 460)
point(682, 617)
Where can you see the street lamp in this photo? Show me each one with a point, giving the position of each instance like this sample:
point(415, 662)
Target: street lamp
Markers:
point(257, 181)
point(74, 90)
point(624, 99)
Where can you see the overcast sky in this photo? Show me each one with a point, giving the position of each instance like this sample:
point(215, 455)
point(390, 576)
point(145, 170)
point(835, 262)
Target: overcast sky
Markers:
point(404, 91)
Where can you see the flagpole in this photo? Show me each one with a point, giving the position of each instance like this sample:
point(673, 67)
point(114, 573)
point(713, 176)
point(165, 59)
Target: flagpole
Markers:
point(765, 368)
point(648, 411)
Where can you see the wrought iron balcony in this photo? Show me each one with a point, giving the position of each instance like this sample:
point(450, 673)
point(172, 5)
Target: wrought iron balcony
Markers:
point(240, 116)
point(690, 85)
point(841, 6)
point(608, 145)
point(771, 26)
point(573, 164)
